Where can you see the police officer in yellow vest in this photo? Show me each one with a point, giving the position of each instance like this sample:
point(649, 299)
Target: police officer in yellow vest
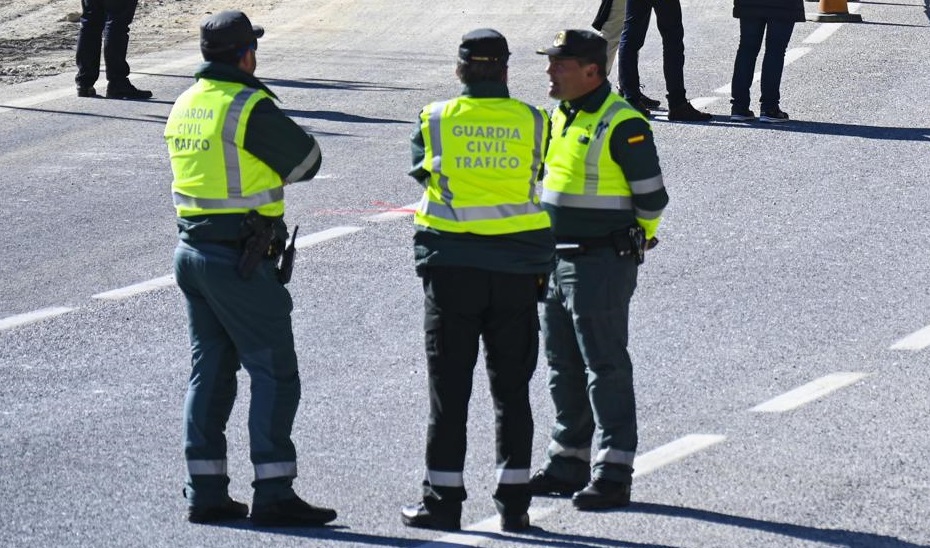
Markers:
point(232, 151)
point(604, 192)
point(482, 245)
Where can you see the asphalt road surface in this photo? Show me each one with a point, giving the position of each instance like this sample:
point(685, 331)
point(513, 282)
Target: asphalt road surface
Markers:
point(777, 332)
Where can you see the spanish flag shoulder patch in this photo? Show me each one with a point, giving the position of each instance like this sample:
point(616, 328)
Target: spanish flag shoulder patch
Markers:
point(636, 139)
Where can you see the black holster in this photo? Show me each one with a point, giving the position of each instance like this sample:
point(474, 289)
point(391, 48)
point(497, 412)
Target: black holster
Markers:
point(257, 237)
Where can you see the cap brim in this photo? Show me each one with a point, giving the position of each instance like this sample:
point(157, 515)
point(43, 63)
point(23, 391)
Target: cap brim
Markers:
point(258, 31)
point(553, 51)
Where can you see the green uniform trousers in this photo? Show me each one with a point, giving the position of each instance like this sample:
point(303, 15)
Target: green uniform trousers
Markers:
point(235, 321)
point(584, 325)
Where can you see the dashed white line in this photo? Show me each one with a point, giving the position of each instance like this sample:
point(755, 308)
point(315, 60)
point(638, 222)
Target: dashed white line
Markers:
point(136, 289)
point(917, 340)
point(322, 236)
point(32, 317)
point(808, 393)
point(671, 452)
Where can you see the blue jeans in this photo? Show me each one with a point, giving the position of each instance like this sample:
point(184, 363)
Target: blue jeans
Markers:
point(584, 323)
point(777, 34)
point(105, 21)
point(668, 20)
point(235, 321)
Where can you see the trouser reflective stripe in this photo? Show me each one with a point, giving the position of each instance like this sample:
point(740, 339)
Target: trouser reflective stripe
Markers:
point(445, 479)
point(616, 456)
point(513, 477)
point(558, 450)
point(275, 470)
point(206, 467)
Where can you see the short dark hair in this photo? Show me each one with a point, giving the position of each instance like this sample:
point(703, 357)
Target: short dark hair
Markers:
point(472, 73)
point(229, 57)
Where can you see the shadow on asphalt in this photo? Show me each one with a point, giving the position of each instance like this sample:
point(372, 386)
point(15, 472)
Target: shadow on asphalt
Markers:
point(335, 116)
point(308, 83)
point(835, 537)
point(920, 134)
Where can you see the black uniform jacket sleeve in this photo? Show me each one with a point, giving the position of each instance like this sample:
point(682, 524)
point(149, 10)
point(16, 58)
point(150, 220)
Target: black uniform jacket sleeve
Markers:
point(282, 144)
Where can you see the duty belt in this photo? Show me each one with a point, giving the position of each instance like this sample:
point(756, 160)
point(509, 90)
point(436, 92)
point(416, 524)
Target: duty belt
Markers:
point(569, 246)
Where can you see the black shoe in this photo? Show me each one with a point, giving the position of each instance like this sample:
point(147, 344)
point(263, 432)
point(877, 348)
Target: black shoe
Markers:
point(742, 115)
point(86, 92)
point(227, 511)
point(543, 484)
point(687, 113)
point(601, 494)
point(127, 91)
point(291, 512)
point(639, 105)
point(773, 116)
point(418, 515)
point(519, 522)
point(649, 103)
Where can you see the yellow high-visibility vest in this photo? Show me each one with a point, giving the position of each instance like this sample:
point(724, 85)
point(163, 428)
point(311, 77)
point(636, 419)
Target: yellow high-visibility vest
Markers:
point(483, 156)
point(213, 173)
point(580, 171)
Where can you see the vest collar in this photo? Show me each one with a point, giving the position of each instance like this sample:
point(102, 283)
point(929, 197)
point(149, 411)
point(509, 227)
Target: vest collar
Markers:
point(589, 103)
point(228, 73)
point(484, 90)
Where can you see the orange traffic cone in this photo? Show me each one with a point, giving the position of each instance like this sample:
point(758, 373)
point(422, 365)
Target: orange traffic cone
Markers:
point(834, 11)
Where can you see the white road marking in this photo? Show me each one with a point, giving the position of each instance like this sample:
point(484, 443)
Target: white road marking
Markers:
point(403, 211)
point(328, 234)
point(917, 340)
point(808, 393)
point(136, 289)
point(465, 537)
point(32, 317)
point(791, 56)
point(671, 452)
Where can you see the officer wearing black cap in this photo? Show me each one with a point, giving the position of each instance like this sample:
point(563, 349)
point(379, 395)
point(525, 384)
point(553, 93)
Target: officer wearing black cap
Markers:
point(482, 246)
point(603, 190)
point(232, 152)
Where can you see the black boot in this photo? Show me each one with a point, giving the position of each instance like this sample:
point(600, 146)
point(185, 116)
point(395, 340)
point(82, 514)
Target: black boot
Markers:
point(418, 515)
point(601, 494)
point(293, 512)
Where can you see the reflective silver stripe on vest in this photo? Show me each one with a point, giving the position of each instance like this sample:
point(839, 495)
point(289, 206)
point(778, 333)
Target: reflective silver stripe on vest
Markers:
point(435, 137)
point(206, 467)
point(230, 150)
point(477, 213)
point(591, 202)
point(507, 476)
point(558, 450)
point(591, 172)
point(276, 470)
point(445, 479)
point(648, 214)
point(305, 165)
point(244, 202)
point(616, 456)
point(537, 150)
point(645, 186)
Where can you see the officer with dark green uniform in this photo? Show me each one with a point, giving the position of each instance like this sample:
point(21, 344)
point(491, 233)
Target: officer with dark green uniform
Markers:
point(604, 192)
point(232, 151)
point(482, 246)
